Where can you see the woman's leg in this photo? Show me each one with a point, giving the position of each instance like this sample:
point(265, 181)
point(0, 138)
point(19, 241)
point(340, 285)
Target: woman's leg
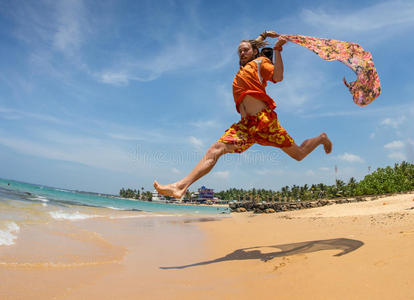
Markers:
point(177, 189)
point(300, 152)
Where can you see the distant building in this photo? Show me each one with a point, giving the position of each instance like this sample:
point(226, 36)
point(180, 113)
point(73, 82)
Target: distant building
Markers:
point(205, 194)
point(157, 197)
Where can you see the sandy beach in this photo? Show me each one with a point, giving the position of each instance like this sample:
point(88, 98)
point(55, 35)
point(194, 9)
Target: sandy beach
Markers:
point(348, 251)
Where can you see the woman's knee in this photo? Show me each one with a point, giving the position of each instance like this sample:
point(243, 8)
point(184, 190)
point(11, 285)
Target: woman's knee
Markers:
point(215, 150)
point(295, 152)
point(219, 148)
point(299, 156)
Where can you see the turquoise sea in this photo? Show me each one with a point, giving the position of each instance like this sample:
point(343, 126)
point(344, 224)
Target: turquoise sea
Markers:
point(60, 197)
point(23, 204)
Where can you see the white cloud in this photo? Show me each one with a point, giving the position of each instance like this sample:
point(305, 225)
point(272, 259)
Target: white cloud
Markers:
point(180, 45)
point(397, 156)
point(204, 124)
point(61, 25)
point(394, 123)
point(372, 135)
point(71, 26)
point(182, 51)
point(114, 78)
point(176, 171)
point(357, 111)
point(325, 169)
point(348, 157)
point(385, 15)
point(54, 32)
point(13, 114)
point(125, 133)
point(195, 142)
point(310, 173)
point(221, 174)
point(124, 137)
point(394, 145)
point(85, 150)
point(267, 172)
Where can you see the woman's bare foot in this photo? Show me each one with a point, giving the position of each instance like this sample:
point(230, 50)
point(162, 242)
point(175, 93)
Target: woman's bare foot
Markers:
point(327, 144)
point(170, 190)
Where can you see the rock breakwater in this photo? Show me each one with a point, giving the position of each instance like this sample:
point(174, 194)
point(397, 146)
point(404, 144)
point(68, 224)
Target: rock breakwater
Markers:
point(272, 207)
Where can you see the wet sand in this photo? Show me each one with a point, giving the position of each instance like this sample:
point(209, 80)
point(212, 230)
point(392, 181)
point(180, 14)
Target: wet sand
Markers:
point(348, 251)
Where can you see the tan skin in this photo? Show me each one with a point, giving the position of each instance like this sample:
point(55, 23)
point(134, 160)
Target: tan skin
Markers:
point(249, 106)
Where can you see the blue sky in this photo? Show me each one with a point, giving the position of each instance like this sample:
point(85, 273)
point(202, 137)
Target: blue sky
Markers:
point(99, 95)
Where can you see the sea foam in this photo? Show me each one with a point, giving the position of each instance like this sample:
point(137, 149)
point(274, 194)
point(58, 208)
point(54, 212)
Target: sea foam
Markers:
point(9, 234)
point(141, 216)
point(114, 208)
point(40, 198)
point(60, 215)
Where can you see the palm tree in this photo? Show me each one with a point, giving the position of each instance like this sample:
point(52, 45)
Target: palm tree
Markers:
point(351, 187)
point(188, 195)
point(285, 192)
point(339, 187)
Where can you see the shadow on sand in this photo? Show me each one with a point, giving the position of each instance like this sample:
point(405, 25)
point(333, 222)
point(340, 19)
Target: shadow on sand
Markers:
point(346, 245)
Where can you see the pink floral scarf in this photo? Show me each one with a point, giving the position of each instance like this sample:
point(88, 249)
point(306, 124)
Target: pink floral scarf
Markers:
point(367, 87)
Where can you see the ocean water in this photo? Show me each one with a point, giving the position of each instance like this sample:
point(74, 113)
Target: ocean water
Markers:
point(22, 204)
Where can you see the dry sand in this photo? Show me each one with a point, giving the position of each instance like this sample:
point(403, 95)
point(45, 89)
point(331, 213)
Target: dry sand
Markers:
point(349, 251)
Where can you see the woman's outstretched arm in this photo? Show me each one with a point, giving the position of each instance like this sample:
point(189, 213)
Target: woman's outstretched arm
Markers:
point(278, 71)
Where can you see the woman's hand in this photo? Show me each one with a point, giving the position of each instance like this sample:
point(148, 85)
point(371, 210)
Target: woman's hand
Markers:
point(271, 34)
point(279, 44)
